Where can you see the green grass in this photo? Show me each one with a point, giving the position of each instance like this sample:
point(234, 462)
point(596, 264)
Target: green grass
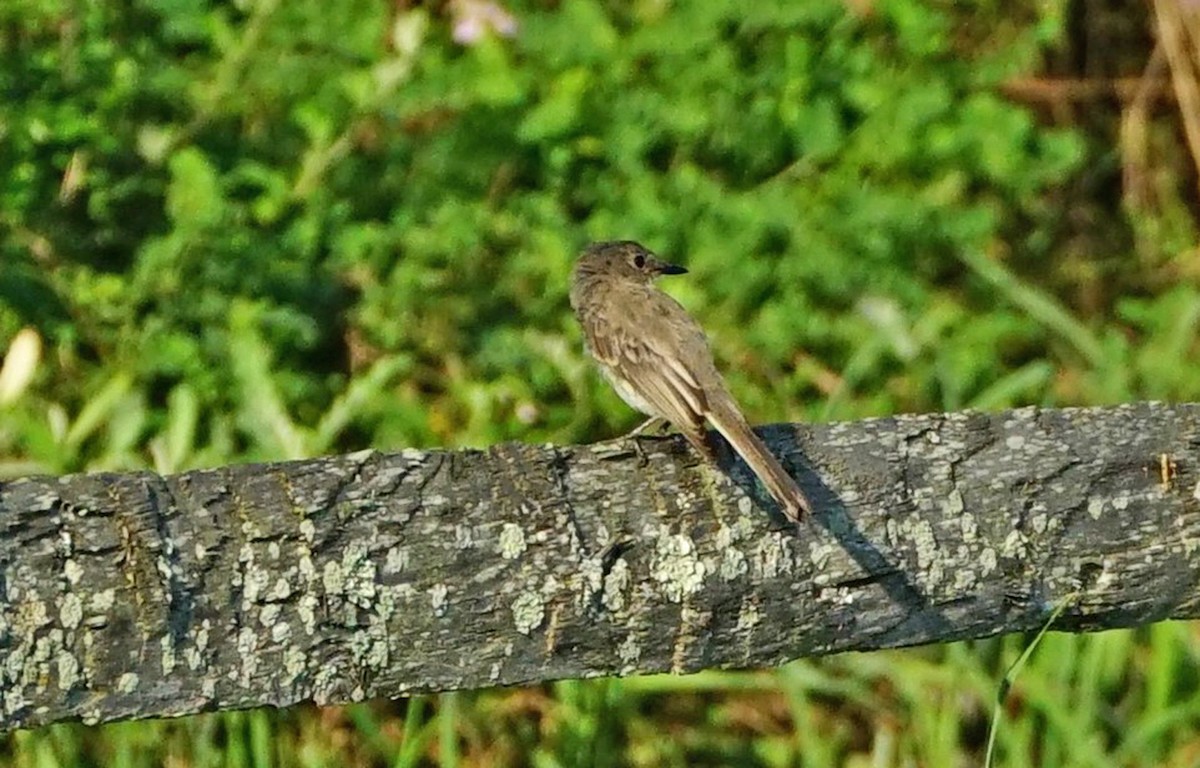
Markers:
point(262, 230)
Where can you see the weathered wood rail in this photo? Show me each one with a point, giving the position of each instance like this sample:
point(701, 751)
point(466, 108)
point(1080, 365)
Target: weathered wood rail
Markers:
point(379, 575)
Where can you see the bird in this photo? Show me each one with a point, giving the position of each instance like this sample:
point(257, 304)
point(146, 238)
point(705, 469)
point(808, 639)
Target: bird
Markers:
point(657, 358)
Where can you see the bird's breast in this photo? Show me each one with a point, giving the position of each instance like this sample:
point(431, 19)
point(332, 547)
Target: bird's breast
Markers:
point(628, 393)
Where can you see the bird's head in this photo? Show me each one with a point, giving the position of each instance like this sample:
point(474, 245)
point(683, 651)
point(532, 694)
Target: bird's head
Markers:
point(622, 259)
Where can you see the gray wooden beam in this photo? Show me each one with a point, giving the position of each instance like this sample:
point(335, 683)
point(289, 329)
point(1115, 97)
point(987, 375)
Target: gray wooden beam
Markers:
point(384, 574)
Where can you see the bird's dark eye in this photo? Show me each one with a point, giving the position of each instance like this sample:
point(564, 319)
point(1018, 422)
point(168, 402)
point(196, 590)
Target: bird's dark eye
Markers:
point(639, 261)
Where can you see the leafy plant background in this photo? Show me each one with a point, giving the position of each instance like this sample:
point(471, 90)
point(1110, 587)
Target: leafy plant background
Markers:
point(255, 230)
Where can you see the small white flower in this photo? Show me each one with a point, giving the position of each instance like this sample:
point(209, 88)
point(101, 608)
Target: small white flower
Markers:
point(475, 18)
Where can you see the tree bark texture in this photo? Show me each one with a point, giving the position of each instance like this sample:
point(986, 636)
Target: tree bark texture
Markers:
point(385, 574)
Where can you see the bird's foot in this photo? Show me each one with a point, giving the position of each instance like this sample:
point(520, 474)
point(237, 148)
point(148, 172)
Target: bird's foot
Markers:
point(656, 423)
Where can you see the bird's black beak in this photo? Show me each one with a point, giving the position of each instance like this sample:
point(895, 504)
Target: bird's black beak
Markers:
point(656, 267)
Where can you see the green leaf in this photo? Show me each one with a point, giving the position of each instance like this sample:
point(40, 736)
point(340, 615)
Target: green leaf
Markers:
point(194, 197)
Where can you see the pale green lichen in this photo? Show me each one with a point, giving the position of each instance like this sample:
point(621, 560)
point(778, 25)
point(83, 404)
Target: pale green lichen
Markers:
point(306, 609)
point(819, 554)
point(616, 583)
point(305, 566)
point(295, 662)
point(630, 653)
point(837, 595)
point(247, 648)
point(70, 612)
point(31, 614)
point(333, 579)
point(438, 595)
point(528, 610)
point(326, 683)
point(377, 650)
point(362, 456)
point(201, 640)
point(167, 648)
point(965, 577)
point(512, 541)
point(771, 557)
point(1039, 522)
point(68, 670)
point(251, 531)
point(363, 648)
point(733, 564)
point(128, 682)
point(73, 571)
point(988, 561)
point(1015, 546)
point(269, 615)
point(163, 566)
point(384, 607)
point(924, 542)
point(591, 574)
point(396, 560)
point(464, 536)
point(282, 589)
point(968, 525)
point(748, 616)
point(357, 578)
point(724, 537)
point(255, 581)
point(14, 701)
point(677, 567)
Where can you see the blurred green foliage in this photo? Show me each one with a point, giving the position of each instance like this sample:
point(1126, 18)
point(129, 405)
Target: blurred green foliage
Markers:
point(215, 207)
point(258, 229)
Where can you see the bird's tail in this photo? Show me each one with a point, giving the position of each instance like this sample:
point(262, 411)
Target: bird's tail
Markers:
point(729, 422)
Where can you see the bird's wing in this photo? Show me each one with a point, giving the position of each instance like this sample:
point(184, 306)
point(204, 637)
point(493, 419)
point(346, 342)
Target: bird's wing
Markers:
point(644, 351)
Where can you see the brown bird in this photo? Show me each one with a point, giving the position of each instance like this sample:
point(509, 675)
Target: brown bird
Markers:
point(657, 358)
